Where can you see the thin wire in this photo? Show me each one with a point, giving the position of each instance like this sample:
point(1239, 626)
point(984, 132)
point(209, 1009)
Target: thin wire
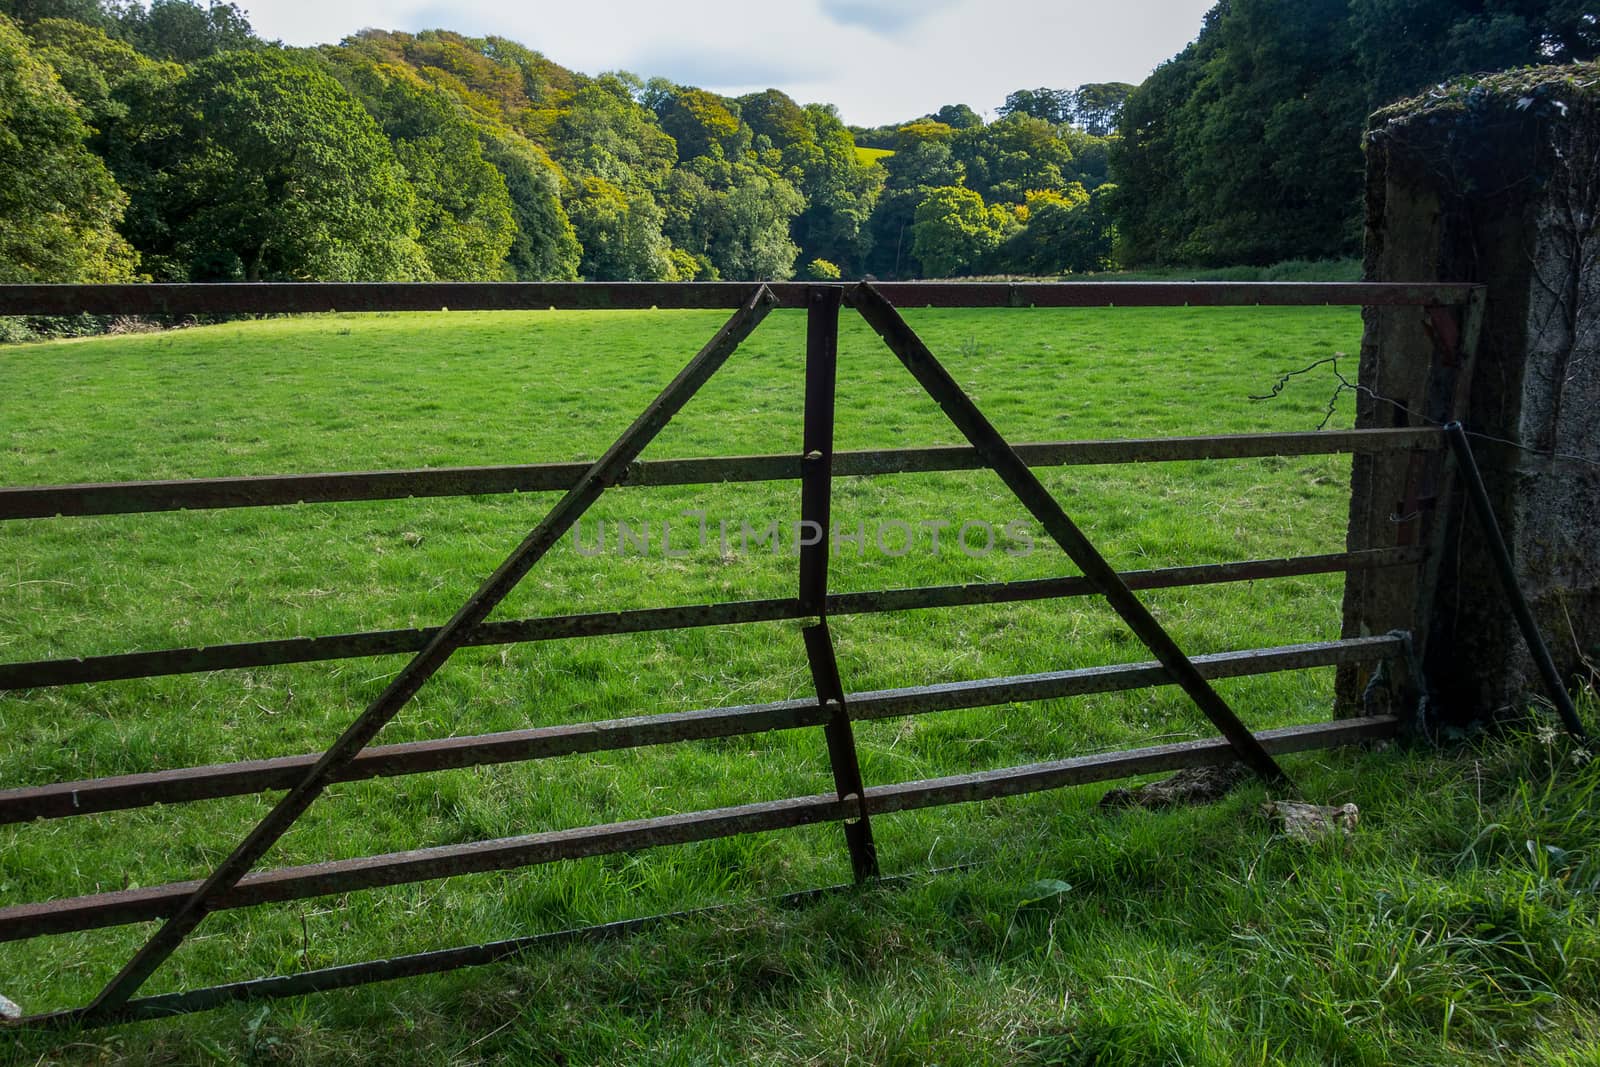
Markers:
point(1346, 385)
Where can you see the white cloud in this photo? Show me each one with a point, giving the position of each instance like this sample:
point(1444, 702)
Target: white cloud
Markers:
point(883, 16)
point(881, 61)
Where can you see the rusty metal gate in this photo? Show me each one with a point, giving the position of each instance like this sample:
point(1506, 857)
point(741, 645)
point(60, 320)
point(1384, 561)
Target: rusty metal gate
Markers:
point(234, 883)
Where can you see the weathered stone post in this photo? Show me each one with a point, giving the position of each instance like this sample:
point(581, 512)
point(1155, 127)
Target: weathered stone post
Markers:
point(1497, 182)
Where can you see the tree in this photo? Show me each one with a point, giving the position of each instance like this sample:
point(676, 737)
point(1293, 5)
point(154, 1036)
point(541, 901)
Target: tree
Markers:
point(26, 13)
point(1048, 105)
point(1246, 147)
point(1404, 45)
point(958, 116)
point(259, 165)
point(59, 207)
point(185, 32)
point(955, 232)
point(1096, 107)
point(463, 209)
point(819, 159)
point(606, 134)
point(99, 71)
point(620, 233)
point(1006, 159)
point(1067, 231)
point(545, 247)
point(750, 232)
point(1149, 163)
point(698, 121)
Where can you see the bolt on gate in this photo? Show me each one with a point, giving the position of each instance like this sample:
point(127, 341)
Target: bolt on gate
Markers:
point(234, 883)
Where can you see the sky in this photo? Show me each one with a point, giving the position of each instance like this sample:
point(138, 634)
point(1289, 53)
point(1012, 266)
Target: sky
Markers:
point(880, 61)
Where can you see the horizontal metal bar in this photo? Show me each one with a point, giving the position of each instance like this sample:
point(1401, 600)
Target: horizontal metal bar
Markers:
point(296, 297)
point(43, 673)
point(117, 498)
point(1036, 777)
point(437, 961)
point(1170, 294)
point(398, 868)
point(63, 799)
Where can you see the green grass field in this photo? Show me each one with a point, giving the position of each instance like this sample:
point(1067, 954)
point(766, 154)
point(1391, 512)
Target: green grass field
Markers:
point(1195, 937)
point(872, 155)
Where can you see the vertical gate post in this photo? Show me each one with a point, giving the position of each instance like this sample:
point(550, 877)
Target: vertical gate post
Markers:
point(816, 518)
point(1496, 183)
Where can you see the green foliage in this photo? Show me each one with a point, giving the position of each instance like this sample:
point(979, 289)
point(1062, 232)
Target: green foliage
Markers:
point(1246, 147)
point(750, 229)
point(820, 270)
point(605, 134)
point(1053, 240)
point(1004, 164)
point(259, 165)
point(1047, 105)
point(504, 92)
point(923, 132)
point(839, 189)
point(737, 217)
point(544, 247)
point(59, 207)
point(700, 122)
point(955, 232)
point(1404, 45)
point(464, 212)
point(958, 116)
point(184, 32)
point(88, 12)
point(99, 71)
point(620, 233)
point(1097, 107)
point(1006, 159)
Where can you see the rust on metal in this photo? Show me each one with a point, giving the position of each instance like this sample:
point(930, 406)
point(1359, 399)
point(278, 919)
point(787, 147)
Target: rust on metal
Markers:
point(816, 526)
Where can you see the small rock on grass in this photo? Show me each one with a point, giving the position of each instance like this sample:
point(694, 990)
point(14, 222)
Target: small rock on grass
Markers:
point(9, 1009)
point(1311, 822)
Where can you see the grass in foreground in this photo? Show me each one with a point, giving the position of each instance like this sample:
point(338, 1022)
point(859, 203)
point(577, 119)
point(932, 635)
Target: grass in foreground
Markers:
point(1459, 925)
point(873, 978)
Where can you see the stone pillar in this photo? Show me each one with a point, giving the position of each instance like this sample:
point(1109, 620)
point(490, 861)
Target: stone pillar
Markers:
point(1496, 183)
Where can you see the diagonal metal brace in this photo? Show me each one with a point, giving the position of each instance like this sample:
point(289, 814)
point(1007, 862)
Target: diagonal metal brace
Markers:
point(605, 471)
point(841, 748)
point(903, 341)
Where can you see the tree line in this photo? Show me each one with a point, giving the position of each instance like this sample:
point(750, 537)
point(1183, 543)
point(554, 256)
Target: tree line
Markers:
point(169, 142)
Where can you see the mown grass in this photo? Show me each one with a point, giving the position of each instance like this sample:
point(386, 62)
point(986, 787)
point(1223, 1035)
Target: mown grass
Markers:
point(872, 155)
point(1173, 945)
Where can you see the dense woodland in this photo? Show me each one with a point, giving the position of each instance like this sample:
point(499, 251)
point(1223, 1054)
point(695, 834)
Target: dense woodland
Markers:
point(1246, 147)
point(168, 142)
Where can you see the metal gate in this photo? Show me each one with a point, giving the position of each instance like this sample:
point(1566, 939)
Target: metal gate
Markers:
point(235, 883)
